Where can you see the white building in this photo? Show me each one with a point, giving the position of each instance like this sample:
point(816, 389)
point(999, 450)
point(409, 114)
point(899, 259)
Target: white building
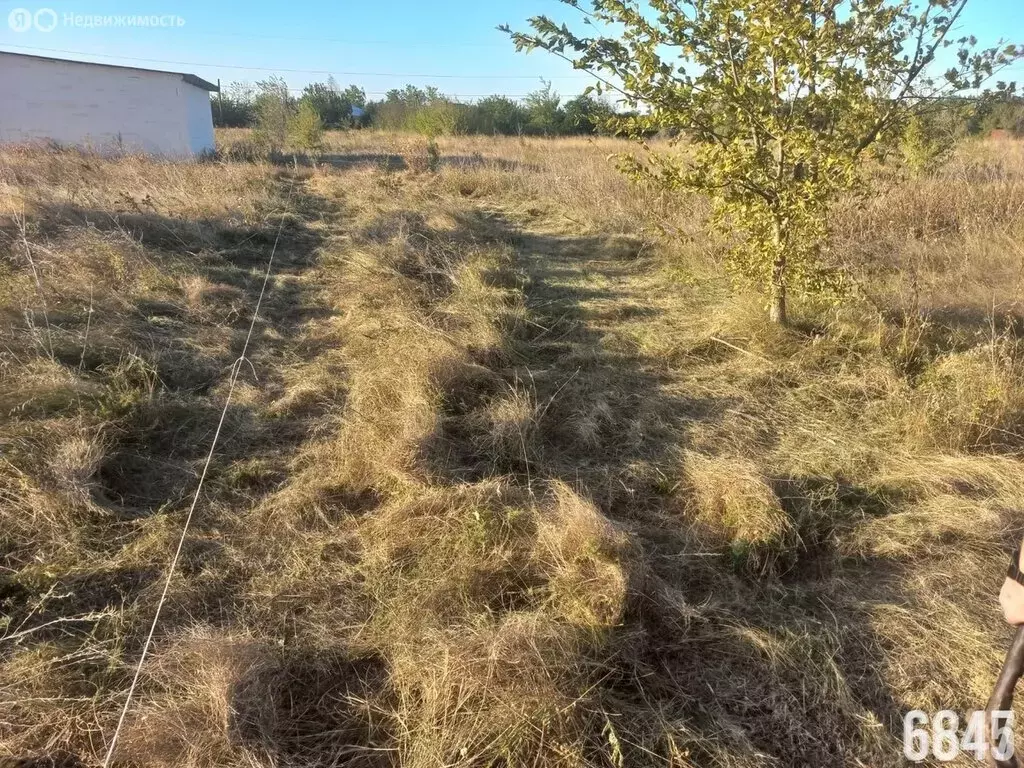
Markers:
point(104, 107)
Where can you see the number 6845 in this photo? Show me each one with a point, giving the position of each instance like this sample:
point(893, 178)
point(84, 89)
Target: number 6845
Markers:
point(940, 736)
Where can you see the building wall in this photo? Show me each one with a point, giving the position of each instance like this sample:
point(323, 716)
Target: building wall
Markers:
point(102, 108)
point(200, 120)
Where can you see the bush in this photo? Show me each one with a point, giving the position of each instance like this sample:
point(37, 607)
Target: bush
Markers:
point(330, 104)
point(440, 118)
point(497, 115)
point(922, 147)
point(305, 128)
point(587, 115)
point(274, 108)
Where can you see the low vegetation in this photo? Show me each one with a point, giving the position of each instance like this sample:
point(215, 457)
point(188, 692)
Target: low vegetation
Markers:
point(514, 474)
point(426, 111)
point(542, 112)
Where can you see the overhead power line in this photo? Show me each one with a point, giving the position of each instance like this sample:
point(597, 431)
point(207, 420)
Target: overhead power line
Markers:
point(435, 44)
point(298, 71)
point(455, 95)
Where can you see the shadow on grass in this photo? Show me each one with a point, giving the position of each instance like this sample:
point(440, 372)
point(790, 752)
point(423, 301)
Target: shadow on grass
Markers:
point(720, 663)
point(158, 370)
point(717, 666)
point(393, 161)
point(315, 709)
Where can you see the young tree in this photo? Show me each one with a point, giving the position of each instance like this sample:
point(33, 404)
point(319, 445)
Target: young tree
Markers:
point(306, 128)
point(329, 102)
point(274, 108)
point(781, 99)
point(586, 114)
point(543, 114)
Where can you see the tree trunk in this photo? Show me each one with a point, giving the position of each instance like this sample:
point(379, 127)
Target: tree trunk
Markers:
point(777, 311)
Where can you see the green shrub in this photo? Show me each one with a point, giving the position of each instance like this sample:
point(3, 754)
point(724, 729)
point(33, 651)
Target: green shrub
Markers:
point(274, 108)
point(305, 128)
point(439, 118)
point(922, 146)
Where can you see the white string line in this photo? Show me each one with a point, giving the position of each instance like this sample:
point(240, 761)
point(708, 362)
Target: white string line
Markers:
point(236, 367)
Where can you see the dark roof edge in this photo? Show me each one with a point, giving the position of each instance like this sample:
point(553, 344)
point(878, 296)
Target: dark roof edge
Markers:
point(198, 82)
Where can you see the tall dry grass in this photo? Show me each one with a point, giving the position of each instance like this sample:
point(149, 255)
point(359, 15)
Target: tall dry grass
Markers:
point(521, 478)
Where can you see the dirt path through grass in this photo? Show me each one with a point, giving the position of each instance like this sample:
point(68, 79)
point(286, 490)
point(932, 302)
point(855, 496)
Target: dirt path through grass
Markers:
point(627, 416)
point(607, 410)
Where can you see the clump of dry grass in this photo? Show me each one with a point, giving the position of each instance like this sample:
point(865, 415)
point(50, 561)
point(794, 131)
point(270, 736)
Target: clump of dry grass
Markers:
point(220, 698)
point(191, 710)
point(505, 429)
point(736, 505)
point(494, 612)
point(972, 399)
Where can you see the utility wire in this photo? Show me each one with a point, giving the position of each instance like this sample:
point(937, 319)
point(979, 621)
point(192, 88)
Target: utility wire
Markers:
point(454, 95)
point(235, 370)
point(298, 71)
point(434, 44)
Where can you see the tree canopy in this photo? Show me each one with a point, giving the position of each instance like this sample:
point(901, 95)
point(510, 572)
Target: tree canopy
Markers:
point(780, 99)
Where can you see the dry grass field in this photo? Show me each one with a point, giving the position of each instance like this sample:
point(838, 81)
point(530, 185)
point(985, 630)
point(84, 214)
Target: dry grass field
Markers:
point(512, 476)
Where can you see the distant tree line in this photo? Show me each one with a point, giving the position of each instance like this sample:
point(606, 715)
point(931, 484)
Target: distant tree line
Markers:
point(279, 116)
point(270, 106)
point(940, 121)
point(958, 117)
point(241, 105)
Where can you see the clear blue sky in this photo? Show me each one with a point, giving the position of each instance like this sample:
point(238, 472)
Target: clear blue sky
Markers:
point(400, 41)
